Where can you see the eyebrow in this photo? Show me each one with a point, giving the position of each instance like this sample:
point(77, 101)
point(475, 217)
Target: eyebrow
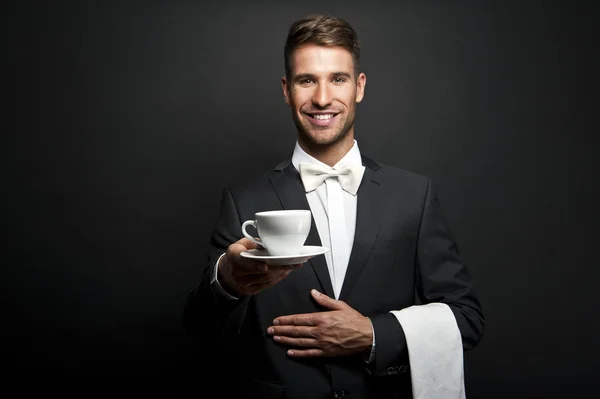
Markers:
point(303, 76)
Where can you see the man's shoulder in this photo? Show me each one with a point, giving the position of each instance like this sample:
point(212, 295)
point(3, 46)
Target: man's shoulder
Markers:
point(387, 171)
point(257, 181)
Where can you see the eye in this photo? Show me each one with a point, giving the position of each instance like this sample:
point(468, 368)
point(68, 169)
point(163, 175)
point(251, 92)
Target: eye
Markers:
point(339, 79)
point(306, 81)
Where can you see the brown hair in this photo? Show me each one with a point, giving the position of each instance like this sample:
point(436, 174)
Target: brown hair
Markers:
point(322, 30)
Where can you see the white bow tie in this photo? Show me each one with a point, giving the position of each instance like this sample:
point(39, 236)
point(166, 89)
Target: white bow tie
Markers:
point(314, 175)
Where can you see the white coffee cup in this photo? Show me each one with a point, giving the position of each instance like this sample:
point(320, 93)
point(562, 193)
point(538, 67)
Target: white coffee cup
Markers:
point(280, 232)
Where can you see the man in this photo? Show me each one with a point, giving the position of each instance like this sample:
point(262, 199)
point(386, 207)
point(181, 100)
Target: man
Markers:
point(330, 327)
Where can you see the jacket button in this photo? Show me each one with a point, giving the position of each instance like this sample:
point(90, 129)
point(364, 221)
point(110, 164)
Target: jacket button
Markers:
point(338, 394)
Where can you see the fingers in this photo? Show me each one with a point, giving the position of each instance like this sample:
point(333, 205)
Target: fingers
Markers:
point(250, 276)
point(305, 319)
point(306, 353)
point(328, 302)
point(271, 277)
point(244, 266)
point(292, 331)
point(297, 342)
point(247, 244)
point(254, 287)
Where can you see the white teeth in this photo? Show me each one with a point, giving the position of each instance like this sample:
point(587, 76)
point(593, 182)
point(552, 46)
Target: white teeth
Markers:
point(326, 116)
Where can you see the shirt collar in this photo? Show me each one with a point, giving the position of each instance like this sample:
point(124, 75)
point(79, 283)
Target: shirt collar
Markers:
point(300, 156)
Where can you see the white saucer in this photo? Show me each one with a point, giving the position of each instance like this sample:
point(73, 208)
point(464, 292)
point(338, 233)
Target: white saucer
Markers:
point(307, 252)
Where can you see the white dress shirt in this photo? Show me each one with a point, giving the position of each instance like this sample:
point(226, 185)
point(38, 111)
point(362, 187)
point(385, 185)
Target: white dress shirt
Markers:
point(317, 200)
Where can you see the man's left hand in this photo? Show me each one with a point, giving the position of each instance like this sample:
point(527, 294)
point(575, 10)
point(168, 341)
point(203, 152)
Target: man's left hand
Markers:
point(338, 332)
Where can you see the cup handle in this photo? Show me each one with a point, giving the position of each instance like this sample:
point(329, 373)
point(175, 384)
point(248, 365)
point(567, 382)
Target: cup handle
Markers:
point(247, 235)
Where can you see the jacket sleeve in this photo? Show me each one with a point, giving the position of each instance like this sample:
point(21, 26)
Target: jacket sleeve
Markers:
point(441, 276)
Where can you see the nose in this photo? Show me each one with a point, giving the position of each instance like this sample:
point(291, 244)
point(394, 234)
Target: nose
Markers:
point(322, 96)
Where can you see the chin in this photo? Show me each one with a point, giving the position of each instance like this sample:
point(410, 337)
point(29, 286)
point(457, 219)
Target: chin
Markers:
point(320, 137)
point(323, 139)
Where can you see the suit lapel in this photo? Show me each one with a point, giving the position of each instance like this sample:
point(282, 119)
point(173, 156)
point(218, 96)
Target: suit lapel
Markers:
point(290, 191)
point(368, 213)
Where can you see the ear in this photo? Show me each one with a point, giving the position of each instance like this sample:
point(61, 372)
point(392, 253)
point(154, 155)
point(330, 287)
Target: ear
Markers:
point(361, 83)
point(285, 88)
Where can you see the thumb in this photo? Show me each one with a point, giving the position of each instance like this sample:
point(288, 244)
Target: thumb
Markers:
point(326, 301)
point(249, 244)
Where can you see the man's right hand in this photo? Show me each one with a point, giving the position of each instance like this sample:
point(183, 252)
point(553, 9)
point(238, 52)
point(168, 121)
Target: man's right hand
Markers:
point(241, 276)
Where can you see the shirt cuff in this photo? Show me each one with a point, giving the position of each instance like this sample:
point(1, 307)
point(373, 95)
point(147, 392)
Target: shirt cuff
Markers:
point(372, 354)
point(214, 282)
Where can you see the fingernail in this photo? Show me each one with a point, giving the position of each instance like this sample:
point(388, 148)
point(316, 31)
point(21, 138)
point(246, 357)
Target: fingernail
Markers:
point(276, 322)
point(271, 331)
point(276, 338)
point(291, 353)
point(316, 293)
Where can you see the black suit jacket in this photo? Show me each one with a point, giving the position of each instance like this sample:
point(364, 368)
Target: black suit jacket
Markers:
point(403, 254)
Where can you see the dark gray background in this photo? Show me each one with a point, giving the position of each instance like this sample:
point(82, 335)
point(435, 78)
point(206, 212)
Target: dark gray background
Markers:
point(132, 116)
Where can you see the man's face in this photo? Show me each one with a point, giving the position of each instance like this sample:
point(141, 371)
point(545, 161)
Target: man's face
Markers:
point(323, 93)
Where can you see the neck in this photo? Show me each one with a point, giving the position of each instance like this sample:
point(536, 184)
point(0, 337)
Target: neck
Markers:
point(329, 154)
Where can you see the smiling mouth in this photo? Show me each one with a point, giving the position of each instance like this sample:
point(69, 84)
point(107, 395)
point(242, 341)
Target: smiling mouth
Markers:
point(322, 120)
point(322, 117)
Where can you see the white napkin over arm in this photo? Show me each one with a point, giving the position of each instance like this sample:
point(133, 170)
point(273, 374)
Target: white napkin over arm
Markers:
point(435, 351)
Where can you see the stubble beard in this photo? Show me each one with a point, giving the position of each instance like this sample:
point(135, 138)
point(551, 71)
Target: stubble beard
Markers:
point(310, 135)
